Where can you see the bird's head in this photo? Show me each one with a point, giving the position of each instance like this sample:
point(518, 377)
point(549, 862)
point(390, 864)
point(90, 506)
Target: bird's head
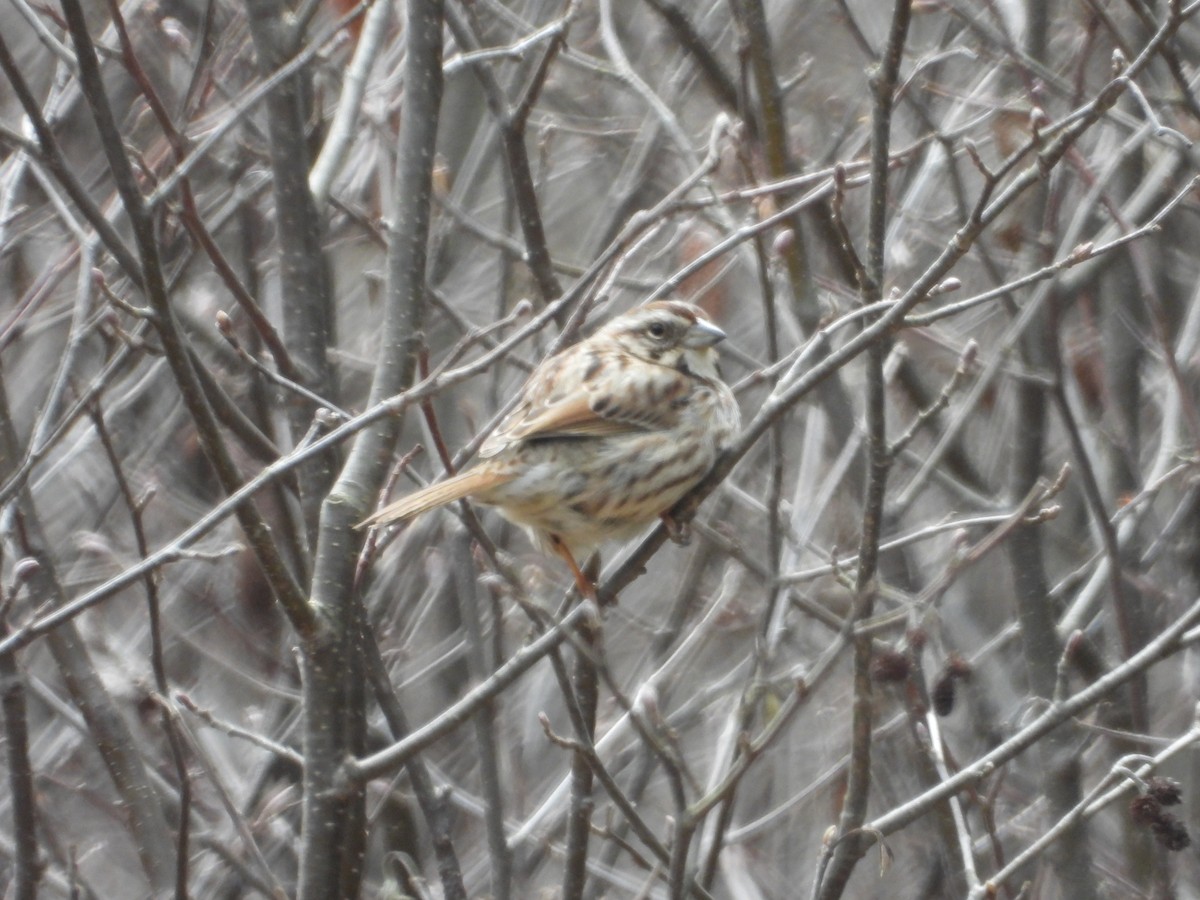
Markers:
point(670, 333)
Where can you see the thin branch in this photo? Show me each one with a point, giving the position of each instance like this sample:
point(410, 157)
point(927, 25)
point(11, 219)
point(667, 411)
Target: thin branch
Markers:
point(854, 806)
point(387, 760)
point(242, 105)
point(27, 866)
point(332, 156)
point(289, 594)
point(486, 720)
point(154, 617)
point(1166, 643)
point(225, 795)
point(718, 80)
point(190, 213)
point(432, 802)
point(966, 362)
point(281, 751)
point(106, 725)
point(586, 686)
point(1097, 800)
point(511, 120)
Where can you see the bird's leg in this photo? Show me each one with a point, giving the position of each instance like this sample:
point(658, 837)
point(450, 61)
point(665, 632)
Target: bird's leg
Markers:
point(679, 532)
point(585, 586)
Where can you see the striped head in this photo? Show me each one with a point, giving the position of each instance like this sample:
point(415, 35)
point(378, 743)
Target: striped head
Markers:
point(670, 333)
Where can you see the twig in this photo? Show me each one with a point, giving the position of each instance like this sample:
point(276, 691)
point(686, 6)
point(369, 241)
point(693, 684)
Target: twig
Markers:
point(27, 866)
point(1056, 713)
point(106, 725)
point(241, 106)
point(51, 155)
point(1160, 129)
point(616, 53)
point(225, 796)
point(1028, 512)
point(158, 666)
point(966, 362)
point(291, 597)
point(854, 807)
point(628, 809)
point(511, 120)
point(190, 214)
point(225, 328)
point(836, 205)
point(387, 760)
point(1080, 254)
point(485, 720)
point(586, 686)
point(282, 751)
point(713, 72)
point(1123, 604)
point(514, 50)
point(432, 802)
point(937, 752)
point(1093, 803)
point(341, 130)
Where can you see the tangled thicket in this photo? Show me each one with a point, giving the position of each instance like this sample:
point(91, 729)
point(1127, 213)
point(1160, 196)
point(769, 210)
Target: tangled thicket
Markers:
point(939, 604)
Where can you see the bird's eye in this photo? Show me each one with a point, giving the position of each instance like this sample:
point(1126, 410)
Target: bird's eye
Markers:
point(656, 329)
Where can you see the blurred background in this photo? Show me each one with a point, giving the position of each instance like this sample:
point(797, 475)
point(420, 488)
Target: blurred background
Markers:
point(597, 152)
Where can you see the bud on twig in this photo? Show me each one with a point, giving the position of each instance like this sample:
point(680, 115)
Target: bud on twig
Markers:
point(25, 569)
point(1080, 253)
point(889, 666)
point(784, 240)
point(225, 327)
point(946, 286)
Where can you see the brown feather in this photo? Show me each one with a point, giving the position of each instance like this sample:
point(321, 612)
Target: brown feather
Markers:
point(616, 401)
point(462, 485)
point(574, 417)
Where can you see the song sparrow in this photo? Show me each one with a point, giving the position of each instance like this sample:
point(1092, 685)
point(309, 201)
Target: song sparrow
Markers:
point(606, 435)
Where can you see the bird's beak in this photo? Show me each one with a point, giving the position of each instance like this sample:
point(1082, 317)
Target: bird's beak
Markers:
point(703, 334)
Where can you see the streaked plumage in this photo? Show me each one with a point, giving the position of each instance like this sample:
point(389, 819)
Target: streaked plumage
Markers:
point(607, 435)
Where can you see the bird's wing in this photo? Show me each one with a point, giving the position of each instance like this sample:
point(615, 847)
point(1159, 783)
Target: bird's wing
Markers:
point(593, 395)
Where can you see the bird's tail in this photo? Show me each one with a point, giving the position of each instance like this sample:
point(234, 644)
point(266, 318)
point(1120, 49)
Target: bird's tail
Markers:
point(462, 485)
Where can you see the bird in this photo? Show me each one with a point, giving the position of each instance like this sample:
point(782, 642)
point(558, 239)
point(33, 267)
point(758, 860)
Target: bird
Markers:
point(605, 437)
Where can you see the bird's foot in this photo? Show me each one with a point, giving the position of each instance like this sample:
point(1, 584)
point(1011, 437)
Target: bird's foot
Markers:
point(679, 532)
